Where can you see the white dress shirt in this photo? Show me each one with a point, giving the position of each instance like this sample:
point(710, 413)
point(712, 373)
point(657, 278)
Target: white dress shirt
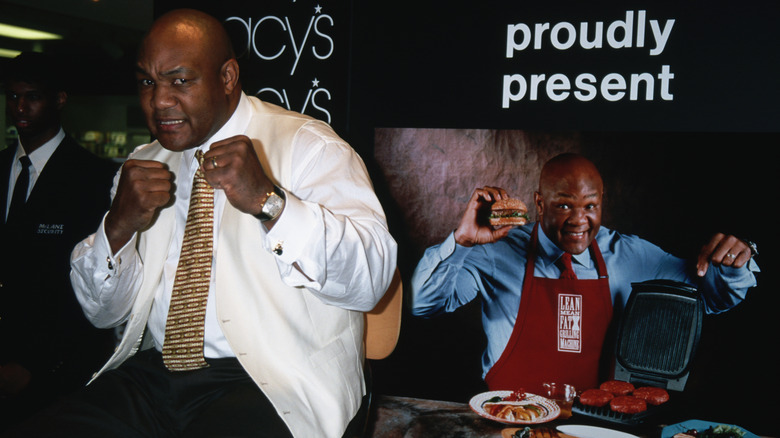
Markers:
point(38, 158)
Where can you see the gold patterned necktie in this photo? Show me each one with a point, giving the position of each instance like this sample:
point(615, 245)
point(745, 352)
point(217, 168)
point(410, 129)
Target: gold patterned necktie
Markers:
point(185, 326)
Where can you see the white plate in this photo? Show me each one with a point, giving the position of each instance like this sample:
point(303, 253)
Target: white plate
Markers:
point(592, 432)
point(550, 406)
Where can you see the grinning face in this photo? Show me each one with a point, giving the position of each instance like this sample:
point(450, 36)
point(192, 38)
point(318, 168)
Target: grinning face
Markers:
point(182, 87)
point(569, 204)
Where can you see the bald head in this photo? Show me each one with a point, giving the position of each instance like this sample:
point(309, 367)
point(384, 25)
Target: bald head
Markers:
point(188, 78)
point(569, 201)
point(571, 167)
point(196, 27)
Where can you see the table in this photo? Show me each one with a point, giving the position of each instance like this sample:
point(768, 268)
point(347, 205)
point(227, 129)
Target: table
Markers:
point(397, 417)
point(405, 417)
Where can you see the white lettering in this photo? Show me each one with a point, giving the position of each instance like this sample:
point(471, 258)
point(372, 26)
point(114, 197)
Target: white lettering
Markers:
point(325, 36)
point(572, 32)
point(539, 32)
point(640, 29)
point(612, 87)
point(626, 26)
point(660, 36)
point(665, 76)
point(620, 34)
point(272, 52)
point(647, 78)
point(254, 46)
point(284, 100)
point(274, 92)
point(319, 108)
point(508, 94)
point(247, 29)
point(584, 82)
point(303, 43)
point(610, 83)
point(511, 41)
point(598, 34)
point(556, 83)
point(535, 81)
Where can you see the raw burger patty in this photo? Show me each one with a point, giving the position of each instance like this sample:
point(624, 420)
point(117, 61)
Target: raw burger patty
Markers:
point(652, 395)
point(596, 397)
point(628, 404)
point(617, 387)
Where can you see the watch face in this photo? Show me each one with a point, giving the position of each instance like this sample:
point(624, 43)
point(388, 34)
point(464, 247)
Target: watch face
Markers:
point(273, 205)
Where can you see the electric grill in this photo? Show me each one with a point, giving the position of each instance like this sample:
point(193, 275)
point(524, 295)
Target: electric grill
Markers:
point(656, 341)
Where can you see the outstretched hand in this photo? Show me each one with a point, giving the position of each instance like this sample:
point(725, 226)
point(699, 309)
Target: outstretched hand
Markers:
point(723, 250)
point(473, 229)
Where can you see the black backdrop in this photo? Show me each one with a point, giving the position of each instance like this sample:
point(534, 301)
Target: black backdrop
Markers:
point(700, 161)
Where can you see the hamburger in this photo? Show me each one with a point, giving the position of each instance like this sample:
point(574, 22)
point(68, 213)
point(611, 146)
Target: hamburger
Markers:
point(508, 211)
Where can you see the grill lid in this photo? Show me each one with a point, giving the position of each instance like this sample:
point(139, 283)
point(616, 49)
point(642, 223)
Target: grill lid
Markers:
point(658, 334)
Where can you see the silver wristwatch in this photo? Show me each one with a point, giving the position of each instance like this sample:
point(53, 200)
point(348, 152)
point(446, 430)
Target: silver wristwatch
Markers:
point(272, 205)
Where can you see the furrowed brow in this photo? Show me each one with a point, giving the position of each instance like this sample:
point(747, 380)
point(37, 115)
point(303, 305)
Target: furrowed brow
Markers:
point(175, 72)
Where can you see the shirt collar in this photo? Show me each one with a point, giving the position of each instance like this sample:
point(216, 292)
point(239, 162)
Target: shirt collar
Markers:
point(237, 123)
point(40, 156)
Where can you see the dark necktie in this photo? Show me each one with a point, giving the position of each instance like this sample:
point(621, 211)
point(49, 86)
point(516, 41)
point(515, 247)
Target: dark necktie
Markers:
point(568, 270)
point(185, 326)
point(19, 197)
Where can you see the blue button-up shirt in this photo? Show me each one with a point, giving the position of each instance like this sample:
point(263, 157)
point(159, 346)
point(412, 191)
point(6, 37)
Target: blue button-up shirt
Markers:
point(450, 275)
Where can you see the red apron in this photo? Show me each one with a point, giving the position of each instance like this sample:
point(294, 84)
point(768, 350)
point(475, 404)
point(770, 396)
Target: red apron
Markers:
point(559, 331)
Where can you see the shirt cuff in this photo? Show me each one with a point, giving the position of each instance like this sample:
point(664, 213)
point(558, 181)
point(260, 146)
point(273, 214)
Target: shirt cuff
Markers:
point(103, 249)
point(452, 252)
point(289, 236)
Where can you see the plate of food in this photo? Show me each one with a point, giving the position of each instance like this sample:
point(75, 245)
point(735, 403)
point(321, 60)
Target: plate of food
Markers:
point(514, 407)
point(705, 429)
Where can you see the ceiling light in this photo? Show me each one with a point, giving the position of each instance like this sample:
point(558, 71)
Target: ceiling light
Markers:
point(8, 53)
point(24, 33)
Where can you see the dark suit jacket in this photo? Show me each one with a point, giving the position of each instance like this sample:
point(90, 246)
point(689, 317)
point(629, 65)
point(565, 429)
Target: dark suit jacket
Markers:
point(41, 323)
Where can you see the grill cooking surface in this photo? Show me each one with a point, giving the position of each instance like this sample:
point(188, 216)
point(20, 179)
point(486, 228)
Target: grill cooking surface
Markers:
point(606, 414)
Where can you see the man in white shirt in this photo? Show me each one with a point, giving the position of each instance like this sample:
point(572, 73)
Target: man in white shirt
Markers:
point(300, 250)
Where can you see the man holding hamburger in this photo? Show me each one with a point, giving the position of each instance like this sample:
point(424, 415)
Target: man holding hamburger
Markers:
point(546, 318)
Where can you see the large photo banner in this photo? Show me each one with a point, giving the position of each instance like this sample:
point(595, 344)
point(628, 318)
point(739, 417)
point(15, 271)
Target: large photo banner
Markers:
point(673, 189)
point(675, 102)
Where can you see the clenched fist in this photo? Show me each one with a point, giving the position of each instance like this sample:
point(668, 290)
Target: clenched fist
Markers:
point(144, 187)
